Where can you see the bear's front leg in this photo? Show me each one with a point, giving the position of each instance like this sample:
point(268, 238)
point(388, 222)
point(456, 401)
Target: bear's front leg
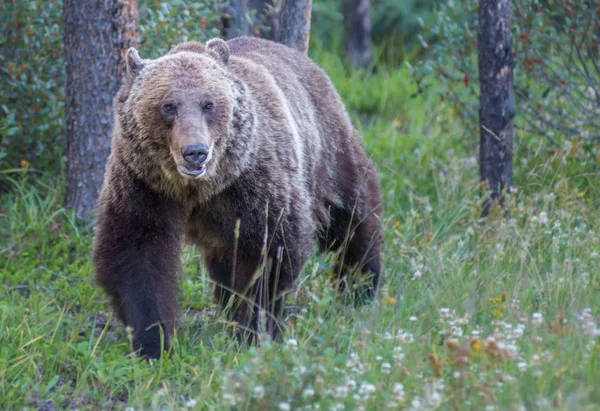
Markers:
point(136, 255)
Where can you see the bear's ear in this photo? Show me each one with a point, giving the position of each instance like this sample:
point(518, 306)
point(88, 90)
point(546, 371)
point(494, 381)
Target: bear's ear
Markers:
point(219, 50)
point(133, 62)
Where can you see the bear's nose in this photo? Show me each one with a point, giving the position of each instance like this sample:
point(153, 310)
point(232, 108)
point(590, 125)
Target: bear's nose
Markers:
point(195, 154)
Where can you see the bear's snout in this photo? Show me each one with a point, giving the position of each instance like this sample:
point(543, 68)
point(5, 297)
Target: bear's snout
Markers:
point(195, 154)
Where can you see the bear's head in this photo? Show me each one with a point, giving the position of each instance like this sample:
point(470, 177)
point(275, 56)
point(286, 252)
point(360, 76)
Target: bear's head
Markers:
point(184, 113)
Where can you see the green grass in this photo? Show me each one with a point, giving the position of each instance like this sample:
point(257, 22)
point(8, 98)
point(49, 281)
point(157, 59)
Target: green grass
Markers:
point(472, 313)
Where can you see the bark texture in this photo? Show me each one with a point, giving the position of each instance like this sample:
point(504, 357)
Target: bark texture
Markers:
point(244, 17)
point(239, 23)
point(497, 105)
point(357, 26)
point(268, 14)
point(294, 24)
point(97, 34)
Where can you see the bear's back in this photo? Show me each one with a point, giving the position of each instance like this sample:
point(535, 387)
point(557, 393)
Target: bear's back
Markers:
point(322, 121)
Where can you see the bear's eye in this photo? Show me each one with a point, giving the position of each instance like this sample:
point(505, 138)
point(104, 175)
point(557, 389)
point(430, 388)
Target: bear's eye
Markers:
point(207, 106)
point(169, 108)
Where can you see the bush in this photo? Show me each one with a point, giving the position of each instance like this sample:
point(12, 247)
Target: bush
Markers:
point(31, 74)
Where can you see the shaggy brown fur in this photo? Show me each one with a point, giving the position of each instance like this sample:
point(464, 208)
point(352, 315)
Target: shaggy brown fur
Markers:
point(284, 166)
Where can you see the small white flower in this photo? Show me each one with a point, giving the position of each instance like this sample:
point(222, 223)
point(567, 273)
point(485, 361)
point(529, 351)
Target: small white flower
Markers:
point(292, 343)
point(191, 403)
point(412, 318)
point(537, 320)
point(350, 383)
point(398, 355)
point(378, 358)
point(284, 406)
point(446, 312)
point(417, 275)
point(228, 399)
point(308, 392)
point(366, 389)
point(386, 368)
point(398, 391)
point(404, 337)
point(522, 366)
point(259, 392)
point(341, 391)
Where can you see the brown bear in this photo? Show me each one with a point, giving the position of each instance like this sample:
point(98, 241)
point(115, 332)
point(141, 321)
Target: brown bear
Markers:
point(245, 149)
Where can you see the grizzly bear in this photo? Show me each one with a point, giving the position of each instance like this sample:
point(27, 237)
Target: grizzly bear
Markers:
point(243, 148)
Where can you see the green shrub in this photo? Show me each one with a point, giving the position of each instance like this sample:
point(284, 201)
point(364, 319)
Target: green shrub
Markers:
point(31, 86)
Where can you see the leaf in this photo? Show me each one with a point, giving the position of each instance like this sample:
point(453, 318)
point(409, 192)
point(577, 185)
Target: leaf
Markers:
point(51, 384)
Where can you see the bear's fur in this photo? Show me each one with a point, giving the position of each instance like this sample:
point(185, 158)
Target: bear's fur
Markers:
point(285, 166)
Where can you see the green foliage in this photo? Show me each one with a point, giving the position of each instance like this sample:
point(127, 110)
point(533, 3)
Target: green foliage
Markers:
point(396, 25)
point(31, 81)
point(165, 23)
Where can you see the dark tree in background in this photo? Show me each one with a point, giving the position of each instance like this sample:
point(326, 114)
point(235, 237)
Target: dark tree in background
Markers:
point(294, 24)
point(357, 25)
point(288, 24)
point(497, 105)
point(244, 17)
point(239, 22)
point(97, 34)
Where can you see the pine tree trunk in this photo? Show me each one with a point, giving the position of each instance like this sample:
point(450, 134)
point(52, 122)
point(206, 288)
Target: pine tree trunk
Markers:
point(497, 105)
point(239, 23)
point(294, 24)
point(268, 15)
point(357, 25)
point(97, 34)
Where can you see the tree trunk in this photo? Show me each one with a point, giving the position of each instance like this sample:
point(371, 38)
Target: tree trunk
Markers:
point(497, 105)
point(357, 27)
point(239, 23)
point(243, 16)
point(294, 24)
point(97, 34)
point(268, 15)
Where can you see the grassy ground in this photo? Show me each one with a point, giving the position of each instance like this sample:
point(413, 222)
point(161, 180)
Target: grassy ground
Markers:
point(496, 314)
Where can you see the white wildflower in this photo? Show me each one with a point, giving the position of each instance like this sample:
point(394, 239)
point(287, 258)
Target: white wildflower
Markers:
point(292, 344)
point(228, 399)
point(341, 391)
point(308, 392)
point(366, 389)
point(259, 392)
point(398, 391)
